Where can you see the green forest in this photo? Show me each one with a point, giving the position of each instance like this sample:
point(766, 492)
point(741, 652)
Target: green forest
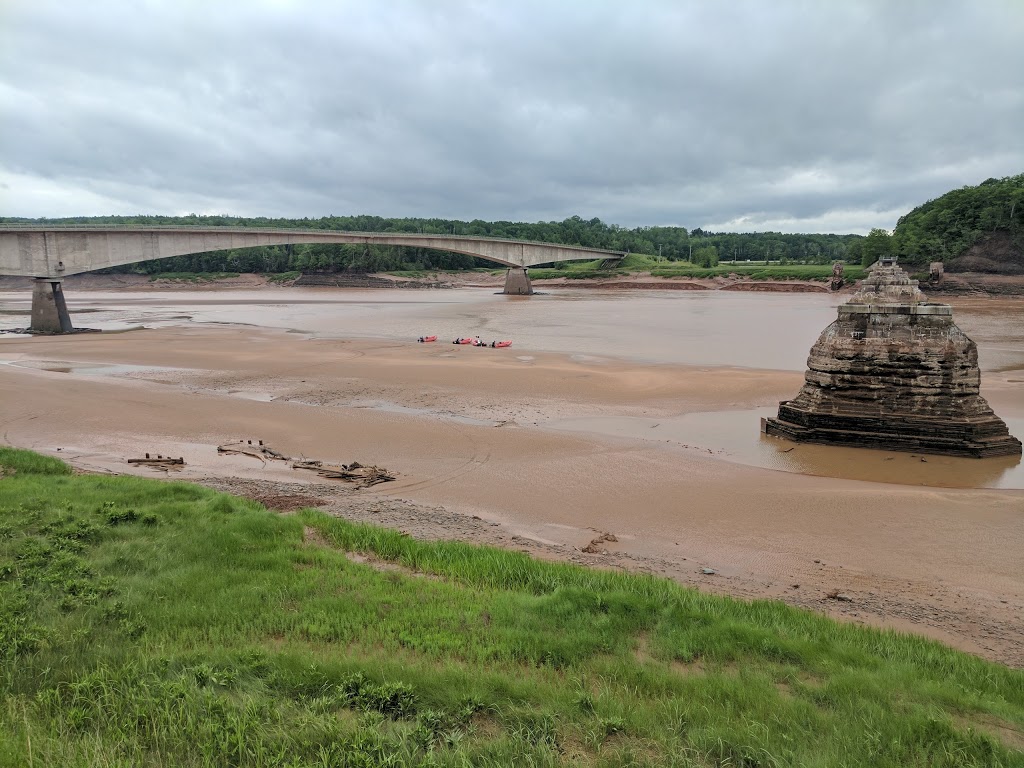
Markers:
point(989, 216)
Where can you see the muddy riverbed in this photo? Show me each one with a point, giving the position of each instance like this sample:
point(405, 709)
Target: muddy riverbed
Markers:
point(632, 412)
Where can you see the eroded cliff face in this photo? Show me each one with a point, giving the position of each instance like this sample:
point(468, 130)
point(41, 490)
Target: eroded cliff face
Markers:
point(1001, 253)
point(894, 372)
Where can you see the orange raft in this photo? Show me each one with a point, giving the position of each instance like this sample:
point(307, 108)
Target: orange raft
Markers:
point(499, 344)
point(425, 339)
point(461, 340)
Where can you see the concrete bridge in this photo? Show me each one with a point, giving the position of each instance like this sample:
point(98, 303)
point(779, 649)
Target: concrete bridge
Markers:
point(50, 254)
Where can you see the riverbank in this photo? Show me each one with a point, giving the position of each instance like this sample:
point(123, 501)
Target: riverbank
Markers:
point(469, 435)
point(977, 284)
point(155, 623)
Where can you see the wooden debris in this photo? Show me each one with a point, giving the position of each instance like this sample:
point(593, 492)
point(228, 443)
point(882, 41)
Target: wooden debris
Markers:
point(257, 451)
point(355, 472)
point(160, 462)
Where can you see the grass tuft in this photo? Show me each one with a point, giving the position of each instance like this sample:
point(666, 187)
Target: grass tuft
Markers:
point(14, 460)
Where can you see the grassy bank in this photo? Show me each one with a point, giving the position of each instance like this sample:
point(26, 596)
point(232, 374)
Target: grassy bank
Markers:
point(154, 623)
point(638, 263)
point(192, 277)
point(759, 272)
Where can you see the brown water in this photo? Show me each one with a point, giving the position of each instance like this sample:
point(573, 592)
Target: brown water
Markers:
point(684, 327)
point(755, 330)
point(693, 328)
point(733, 436)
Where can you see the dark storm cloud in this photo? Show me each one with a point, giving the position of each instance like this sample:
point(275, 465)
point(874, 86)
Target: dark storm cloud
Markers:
point(739, 115)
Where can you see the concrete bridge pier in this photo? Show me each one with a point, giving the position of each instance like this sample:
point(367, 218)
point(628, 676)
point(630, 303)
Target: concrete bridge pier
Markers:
point(517, 282)
point(49, 311)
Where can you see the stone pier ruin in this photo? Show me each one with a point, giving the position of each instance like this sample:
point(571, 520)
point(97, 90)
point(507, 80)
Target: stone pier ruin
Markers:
point(894, 372)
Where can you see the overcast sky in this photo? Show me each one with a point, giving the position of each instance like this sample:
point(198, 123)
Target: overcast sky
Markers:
point(814, 116)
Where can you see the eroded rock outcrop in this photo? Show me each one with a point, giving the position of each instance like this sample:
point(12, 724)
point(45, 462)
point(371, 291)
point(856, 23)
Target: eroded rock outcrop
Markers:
point(894, 372)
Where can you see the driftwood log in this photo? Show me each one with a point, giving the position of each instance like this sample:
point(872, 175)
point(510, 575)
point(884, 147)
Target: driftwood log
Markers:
point(355, 472)
point(160, 462)
point(361, 476)
point(257, 450)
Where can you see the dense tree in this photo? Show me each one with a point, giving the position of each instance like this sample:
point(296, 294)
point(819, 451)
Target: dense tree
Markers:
point(944, 228)
point(705, 256)
point(876, 245)
point(854, 252)
point(940, 230)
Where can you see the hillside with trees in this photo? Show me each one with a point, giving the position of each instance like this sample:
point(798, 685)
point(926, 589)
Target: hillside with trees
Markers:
point(972, 229)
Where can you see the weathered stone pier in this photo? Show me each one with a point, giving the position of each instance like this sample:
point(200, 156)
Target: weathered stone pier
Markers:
point(894, 372)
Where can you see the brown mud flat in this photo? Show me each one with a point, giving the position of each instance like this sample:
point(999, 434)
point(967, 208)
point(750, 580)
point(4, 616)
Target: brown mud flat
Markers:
point(777, 286)
point(461, 433)
point(653, 284)
point(96, 282)
point(981, 284)
point(638, 281)
point(683, 284)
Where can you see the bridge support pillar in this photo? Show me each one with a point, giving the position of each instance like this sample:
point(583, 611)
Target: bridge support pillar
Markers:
point(49, 311)
point(517, 282)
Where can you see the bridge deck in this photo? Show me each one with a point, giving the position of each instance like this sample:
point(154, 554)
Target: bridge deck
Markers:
point(55, 251)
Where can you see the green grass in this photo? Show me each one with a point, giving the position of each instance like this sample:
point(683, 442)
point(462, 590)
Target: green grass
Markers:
point(282, 277)
point(13, 460)
point(146, 623)
point(193, 277)
point(636, 262)
point(771, 272)
point(583, 270)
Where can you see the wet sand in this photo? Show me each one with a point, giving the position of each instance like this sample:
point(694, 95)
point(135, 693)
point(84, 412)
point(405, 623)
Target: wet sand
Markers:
point(502, 446)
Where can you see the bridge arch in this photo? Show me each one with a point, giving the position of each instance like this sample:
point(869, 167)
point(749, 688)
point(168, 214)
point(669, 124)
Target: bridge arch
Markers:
point(50, 254)
point(59, 252)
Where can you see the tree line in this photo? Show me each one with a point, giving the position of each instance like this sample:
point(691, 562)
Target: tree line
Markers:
point(943, 229)
point(667, 243)
point(939, 230)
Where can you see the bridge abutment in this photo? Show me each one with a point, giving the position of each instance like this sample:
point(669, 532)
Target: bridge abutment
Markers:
point(49, 310)
point(517, 282)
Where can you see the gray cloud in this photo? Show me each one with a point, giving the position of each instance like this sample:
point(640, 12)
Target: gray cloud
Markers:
point(733, 115)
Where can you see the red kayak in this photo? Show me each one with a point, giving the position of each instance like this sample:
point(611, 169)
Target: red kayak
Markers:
point(425, 339)
point(499, 344)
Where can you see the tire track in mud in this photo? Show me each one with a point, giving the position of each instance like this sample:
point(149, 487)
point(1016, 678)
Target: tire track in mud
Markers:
point(475, 461)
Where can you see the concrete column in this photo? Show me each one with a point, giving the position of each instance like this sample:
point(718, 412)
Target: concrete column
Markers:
point(517, 282)
point(49, 311)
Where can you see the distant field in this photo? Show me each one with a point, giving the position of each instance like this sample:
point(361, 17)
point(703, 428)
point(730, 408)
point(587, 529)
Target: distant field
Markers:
point(148, 623)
